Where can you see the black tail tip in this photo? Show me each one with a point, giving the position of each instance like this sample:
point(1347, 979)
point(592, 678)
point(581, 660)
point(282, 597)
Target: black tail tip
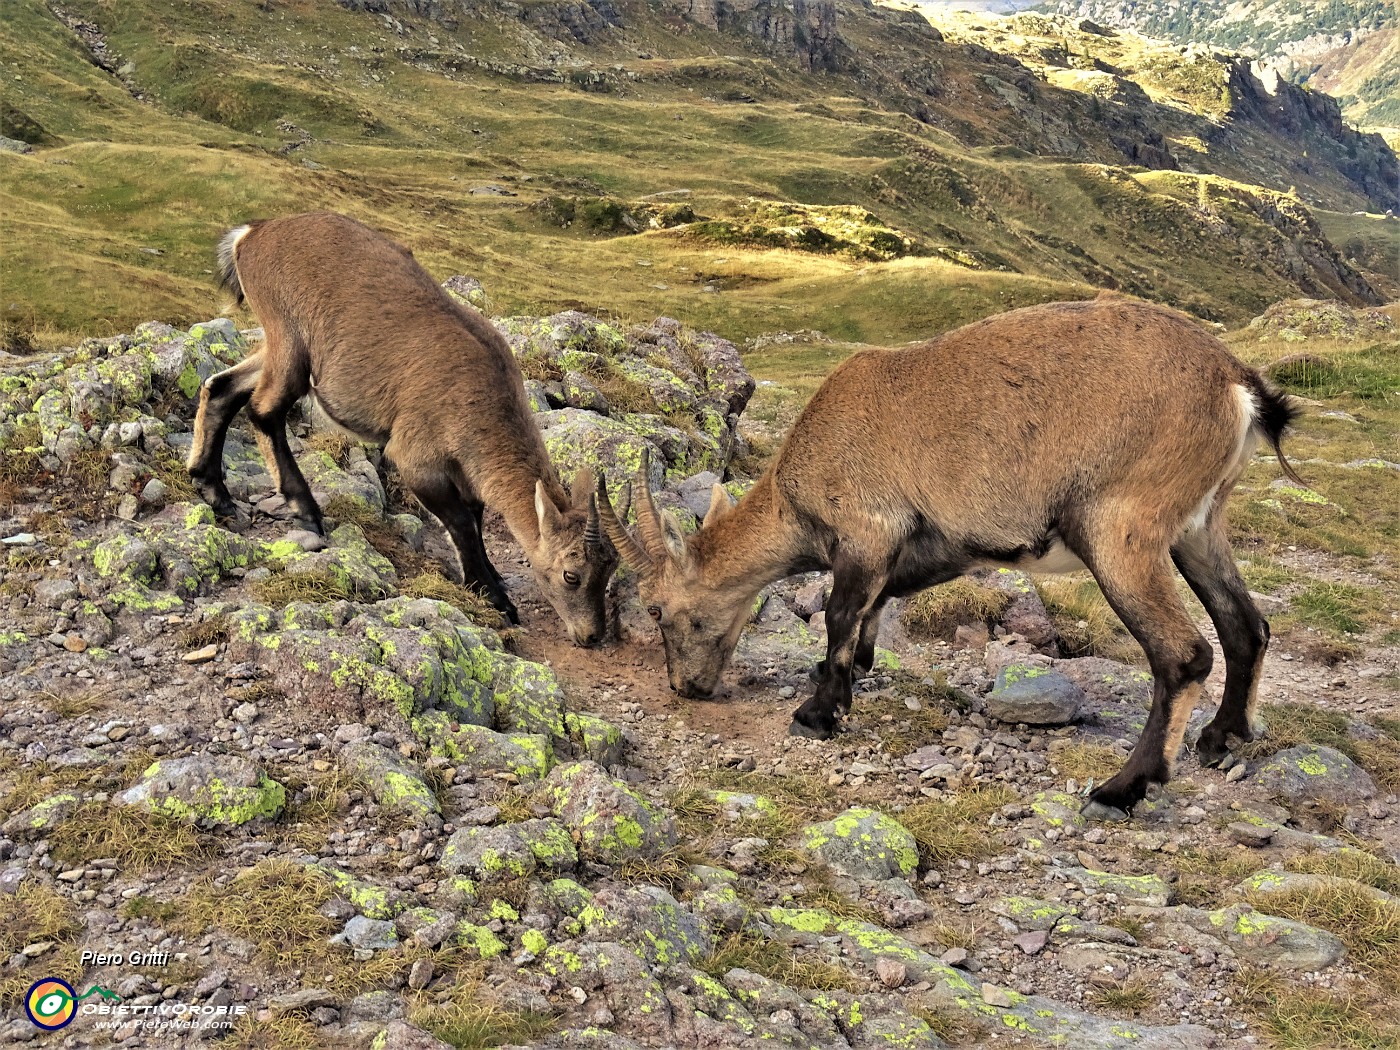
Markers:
point(1275, 411)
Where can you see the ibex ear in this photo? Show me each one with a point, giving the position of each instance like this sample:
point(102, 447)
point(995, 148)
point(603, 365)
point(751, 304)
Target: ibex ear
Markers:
point(550, 518)
point(583, 488)
point(719, 505)
point(674, 538)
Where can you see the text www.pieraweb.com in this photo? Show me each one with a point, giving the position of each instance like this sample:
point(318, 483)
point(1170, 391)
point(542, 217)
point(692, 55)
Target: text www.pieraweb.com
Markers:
point(183, 1016)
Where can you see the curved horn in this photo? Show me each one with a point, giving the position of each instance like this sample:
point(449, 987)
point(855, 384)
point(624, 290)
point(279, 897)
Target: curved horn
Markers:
point(632, 552)
point(648, 521)
point(592, 535)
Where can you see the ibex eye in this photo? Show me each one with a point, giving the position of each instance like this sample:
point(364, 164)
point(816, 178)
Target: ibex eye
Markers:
point(571, 578)
point(654, 611)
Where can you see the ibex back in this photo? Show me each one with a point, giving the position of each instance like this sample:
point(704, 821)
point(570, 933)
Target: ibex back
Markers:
point(1104, 434)
point(351, 318)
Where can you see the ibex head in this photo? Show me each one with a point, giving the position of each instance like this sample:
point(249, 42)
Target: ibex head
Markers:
point(574, 559)
point(700, 618)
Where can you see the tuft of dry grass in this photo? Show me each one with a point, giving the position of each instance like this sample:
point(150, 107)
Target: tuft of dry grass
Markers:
point(288, 1032)
point(955, 828)
point(272, 904)
point(434, 585)
point(1086, 760)
point(210, 631)
point(1131, 997)
point(1369, 927)
point(670, 871)
point(955, 1027)
point(37, 913)
point(1353, 864)
point(319, 586)
point(169, 467)
point(29, 785)
point(1300, 1017)
point(471, 1018)
point(1205, 874)
point(139, 841)
point(1085, 623)
point(328, 795)
point(777, 962)
point(939, 611)
point(72, 705)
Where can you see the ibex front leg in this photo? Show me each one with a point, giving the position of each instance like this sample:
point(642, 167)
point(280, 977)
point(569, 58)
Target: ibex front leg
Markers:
point(855, 591)
point(221, 397)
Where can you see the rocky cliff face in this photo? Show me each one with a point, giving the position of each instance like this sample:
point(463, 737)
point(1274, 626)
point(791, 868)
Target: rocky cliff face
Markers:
point(806, 29)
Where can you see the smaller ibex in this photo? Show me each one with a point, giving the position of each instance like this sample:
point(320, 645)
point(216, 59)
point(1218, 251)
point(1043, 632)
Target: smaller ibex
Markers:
point(1104, 434)
point(351, 318)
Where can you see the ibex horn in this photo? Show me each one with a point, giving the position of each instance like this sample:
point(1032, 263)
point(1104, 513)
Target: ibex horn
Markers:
point(632, 552)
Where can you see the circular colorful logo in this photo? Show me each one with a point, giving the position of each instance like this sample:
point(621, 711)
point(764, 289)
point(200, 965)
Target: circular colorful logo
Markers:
point(51, 1003)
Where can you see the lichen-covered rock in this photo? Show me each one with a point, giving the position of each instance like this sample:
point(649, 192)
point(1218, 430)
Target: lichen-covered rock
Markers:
point(395, 784)
point(864, 844)
point(41, 818)
point(359, 489)
point(596, 738)
point(1311, 771)
point(510, 850)
point(1263, 884)
point(613, 822)
point(527, 697)
point(1028, 1015)
point(1033, 695)
point(877, 1021)
point(207, 790)
point(1025, 613)
point(369, 899)
point(484, 751)
point(1263, 938)
point(368, 935)
point(1147, 890)
point(403, 655)
point(651, 922)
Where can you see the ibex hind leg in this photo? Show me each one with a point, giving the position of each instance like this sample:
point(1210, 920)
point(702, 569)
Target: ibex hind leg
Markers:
point(221, 397)
point(1142, 591)
point(276, 392)
point(1204, 558)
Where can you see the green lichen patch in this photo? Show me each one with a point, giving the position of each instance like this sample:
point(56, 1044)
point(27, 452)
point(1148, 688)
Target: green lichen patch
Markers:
point(864, 844)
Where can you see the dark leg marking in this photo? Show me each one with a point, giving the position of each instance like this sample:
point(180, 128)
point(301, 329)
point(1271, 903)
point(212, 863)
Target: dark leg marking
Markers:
point(855, 590)
point(1208, 565)
point(446, 503)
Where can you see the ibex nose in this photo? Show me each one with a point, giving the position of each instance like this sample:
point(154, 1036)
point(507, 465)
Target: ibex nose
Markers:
point(586, 639)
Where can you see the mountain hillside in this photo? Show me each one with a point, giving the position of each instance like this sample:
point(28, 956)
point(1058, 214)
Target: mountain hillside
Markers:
point(1348, 48)
point(619, 155)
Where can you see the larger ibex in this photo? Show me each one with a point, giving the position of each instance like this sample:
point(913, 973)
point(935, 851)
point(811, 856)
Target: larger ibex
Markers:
point(350, 317)
point(1104, 434)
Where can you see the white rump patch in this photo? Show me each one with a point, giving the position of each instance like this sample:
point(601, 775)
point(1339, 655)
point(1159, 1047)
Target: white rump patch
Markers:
point(1244, 449)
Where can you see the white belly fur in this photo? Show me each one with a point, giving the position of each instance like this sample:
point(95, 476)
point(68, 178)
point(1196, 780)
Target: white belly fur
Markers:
point(1057, 559)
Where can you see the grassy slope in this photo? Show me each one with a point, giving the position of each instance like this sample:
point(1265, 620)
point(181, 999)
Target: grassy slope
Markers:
point(229, 83)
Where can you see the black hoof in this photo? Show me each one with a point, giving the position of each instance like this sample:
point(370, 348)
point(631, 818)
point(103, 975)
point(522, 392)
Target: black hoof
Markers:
point(1216, 745)
point(512, 614)
point(1098, 811)
point(1115, 800)
point(301, 521)
point(810, 732)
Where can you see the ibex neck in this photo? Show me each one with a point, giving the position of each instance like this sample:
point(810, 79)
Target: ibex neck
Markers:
point(513, 494)
point(753, 544)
